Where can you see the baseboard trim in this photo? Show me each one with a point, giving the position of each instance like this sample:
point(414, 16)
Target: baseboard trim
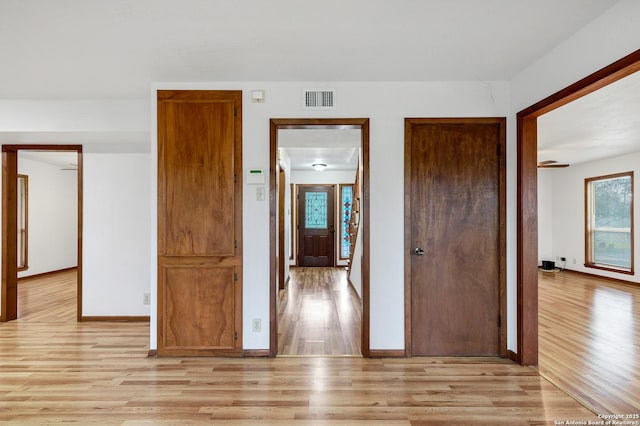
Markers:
point(115, 318)
point(256, 353)
point(382, 353)
point(44, 274)
point(588, 274)
point(152, 353)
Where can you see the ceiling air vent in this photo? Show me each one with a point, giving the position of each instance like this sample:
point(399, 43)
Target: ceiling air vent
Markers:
point(318, 99)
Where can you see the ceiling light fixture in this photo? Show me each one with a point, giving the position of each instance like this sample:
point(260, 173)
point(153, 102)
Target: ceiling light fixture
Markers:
point(319, 166)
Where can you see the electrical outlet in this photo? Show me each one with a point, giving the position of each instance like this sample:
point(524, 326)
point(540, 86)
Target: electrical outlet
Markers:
point(256, 325)
point(574, 260)
point(146, 299)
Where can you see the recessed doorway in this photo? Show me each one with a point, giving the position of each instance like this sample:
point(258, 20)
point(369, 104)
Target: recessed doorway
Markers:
point(10, 233)
point(360, 267)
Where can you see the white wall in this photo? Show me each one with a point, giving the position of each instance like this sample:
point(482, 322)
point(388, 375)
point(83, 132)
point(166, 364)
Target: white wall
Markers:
point(386, 104)
point(608, 38)
point(116, 234)
point(545, 214)
point(285, 163)
point(568, 211)
point(53, 214)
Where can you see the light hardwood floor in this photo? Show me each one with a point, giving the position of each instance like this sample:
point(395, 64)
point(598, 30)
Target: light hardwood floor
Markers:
point(99, 373)
point(48, 298)
point(589, 336)
point(320, 314)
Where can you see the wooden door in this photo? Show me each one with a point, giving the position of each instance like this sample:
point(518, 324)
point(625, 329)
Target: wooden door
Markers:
point(199, 222)
point(454, 235)
point(316, 226)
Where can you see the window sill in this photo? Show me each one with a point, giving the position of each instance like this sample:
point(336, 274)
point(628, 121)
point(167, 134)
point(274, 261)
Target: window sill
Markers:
point(609, 268)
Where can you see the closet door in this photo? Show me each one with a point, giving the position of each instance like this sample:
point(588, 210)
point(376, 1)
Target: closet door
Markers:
point(199, 223)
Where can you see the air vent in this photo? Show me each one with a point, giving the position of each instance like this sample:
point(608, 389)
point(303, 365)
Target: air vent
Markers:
point(318, 99)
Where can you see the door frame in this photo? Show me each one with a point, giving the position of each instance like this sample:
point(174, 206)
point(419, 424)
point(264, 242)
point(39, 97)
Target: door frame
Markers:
point(502, 220)
point(9, 305)
point(276, 124)
point(297, 207)
point(527, 203)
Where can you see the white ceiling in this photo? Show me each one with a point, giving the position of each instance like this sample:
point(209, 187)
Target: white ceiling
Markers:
point(62, 160)
point(603, 124)
point(337, 148)
point(93, 49)
point(116, 48)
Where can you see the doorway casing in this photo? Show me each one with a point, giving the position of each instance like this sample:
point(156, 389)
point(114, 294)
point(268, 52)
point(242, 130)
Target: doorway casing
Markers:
point(277, 124)
point(9, 306)
point(527, 203)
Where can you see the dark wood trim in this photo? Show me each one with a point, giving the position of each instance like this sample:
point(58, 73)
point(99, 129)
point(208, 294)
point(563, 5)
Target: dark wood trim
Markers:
point(276, 124)
point(112, 318)
point(45, 274)
point(513, 356)
point(407, 238)
point(9, 305)
point(9, 302)
point(527, 202)
point(256, 353)
point(502, 223)
point(381, 353)
point(152, 353)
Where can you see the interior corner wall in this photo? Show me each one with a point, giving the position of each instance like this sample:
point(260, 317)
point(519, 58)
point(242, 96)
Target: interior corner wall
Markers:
point(545, 214)
point(285, 162)
point(569, 215)
point(53, 217)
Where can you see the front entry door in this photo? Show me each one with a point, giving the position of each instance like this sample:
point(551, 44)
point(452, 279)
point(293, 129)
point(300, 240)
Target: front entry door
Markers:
point(454, 232)
point(316, 228)
point(199, 222)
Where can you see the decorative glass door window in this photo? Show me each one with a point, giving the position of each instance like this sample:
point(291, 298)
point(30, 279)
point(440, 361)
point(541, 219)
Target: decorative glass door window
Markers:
point(346, 203)
point(315, 210)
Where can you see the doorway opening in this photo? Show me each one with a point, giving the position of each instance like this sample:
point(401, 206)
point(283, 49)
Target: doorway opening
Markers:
point(10, 223)
point(278, 240)
point(527, 203)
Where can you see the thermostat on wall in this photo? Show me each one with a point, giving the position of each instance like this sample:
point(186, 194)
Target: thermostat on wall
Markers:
point(255, 177)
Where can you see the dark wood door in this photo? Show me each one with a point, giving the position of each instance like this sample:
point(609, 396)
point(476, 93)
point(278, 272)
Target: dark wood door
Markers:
point(316, 226)
point(199, 222)
point(454, 235)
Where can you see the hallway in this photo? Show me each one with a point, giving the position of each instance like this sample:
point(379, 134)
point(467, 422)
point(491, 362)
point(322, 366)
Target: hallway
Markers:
point(319, 315)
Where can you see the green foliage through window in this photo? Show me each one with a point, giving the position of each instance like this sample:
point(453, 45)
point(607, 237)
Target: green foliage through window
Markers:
point(609, 221)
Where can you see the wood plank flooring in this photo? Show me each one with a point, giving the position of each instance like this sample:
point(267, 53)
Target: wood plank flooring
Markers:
point(320, 314)
point(99, 374)
point(54, 372)
point(589, 337)
point(48, 298)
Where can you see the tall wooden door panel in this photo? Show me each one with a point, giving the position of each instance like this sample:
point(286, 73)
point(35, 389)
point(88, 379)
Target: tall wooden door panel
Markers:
point(454, 236)
point(199, 223)
point(316, 225)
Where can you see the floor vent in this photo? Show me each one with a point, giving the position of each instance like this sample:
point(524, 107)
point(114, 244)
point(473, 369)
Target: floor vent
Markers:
point(318, 99)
